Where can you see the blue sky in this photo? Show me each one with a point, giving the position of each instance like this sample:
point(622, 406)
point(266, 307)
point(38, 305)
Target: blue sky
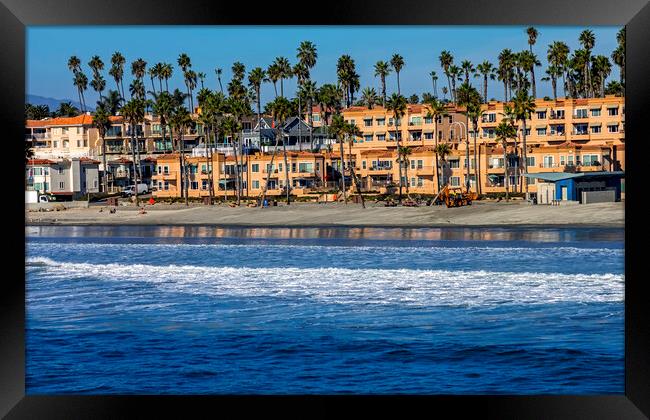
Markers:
point(209, 47)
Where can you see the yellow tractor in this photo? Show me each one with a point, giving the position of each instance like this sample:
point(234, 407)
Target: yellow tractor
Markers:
point(455, 197)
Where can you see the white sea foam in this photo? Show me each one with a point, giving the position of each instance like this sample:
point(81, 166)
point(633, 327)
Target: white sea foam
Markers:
point(351, 286)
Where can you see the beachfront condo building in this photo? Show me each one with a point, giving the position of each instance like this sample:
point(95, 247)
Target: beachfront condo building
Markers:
point(70, 179)
point(304, 170)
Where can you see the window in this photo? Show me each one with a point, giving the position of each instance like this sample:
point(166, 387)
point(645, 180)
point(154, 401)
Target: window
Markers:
point(315, 117)
point(548, 161)
point(166, 170)
point(420, 182)
point(420, 164)
point(527, 131)
point(580, 113)
point(293, 167)
point(381, 137)
point(280, 167)
point(612, 128)
point(612, 111)
point(541, 115)
point(562, 160)
point(256, 185)
point(557, 114)
point(78, 143)
point(38, 171)
point(455, 163)
point(595, 112)
point(557, 130)
point(55, 144)
point(428, 120)
point(428, 136)
point(541, 131)
point(415, 121)
point(255, 167)
point(381, 121)
point(363, 164)
point(367, 137)
point(590, 160)
point(85, 142)
point(62, 185)
point(412, 182)
point(489, 118)
point(530, 161)
point(412, 164)
point(367, 122)
point(194, 185)
point(595, 129)
point(166, 187)
point(579, 129)
point(204, 184)
point(489, 133)
point(306, 167)
point(496, 163)
point(455, 181)
point(60, 170)
point(472, 162)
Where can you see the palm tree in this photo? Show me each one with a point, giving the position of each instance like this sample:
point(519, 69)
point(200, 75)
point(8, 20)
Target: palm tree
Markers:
point(614, 88)
point(397, 62)
point(74, 65)
point(444, 92)
point(474, 113)
point(273, 73)
point(446, 61)
point(442, 150)
point(179, 120)
point(532, 38)
point(280, 110)
point(369, 97)
point(557, 55)
point(382, 70)
point(504, 71)
point(338, 128)
point(231, 126)
point(256, 77)
point(308, 93)
point(347, 77)
point(524, 106)
point(469, 98)
point(454, 74)
point(153, 73)
point(218, 71)
point(66, 109)
point(98, 83)
point(601, 70)
point(436, 109)
point(112, 102)
point(163, 105)
point(283, 71)
point(201, 77)
point(133, 112)
point(618, 57)
point(351, 131)
point(487, 71)
point(136, 89)
point(434, 79)
point(552, 73)
point(102, 123)
point(504, 131)
point(81, 82)
point(307, 56)
point(528, 61)
point(587, 40)
point(117, 70)
point(397, 105)
point(467, 68)
point(402, 156)
point(190, 80)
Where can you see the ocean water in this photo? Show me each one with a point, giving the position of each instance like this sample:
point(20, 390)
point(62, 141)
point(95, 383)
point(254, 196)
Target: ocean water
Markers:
point(199, 310)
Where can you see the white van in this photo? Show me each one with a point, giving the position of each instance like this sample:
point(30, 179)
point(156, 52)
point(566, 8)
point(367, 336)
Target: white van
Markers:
point(130, 190)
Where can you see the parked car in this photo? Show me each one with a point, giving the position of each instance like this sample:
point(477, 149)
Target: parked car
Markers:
point(46, 198)
point(130, 190)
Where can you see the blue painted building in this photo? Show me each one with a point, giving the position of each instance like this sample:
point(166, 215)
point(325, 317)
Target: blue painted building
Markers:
point(566, 186)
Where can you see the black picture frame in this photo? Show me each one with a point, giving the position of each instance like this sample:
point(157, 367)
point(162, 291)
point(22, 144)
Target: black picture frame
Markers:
point(15, 15)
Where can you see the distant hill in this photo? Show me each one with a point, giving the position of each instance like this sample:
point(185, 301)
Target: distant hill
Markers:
point(53, 103)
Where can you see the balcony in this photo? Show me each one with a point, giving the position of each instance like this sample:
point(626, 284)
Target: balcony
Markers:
point(556, 116)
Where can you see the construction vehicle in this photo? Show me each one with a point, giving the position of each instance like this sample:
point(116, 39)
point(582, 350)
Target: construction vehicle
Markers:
point(455, 197)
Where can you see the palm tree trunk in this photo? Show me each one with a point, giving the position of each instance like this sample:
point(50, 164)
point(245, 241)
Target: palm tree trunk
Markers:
point(268, 173)
point(345, 197)
point(354, 177)
point(237, 178)
point(477, 174)
point(383, 91)
point(399, 160)
point(207, 165)
point(505, 170)
point(485, 83)
point(282, 90)
point(532, 76)
point(105, 177)
point(525, 162)
point(398, 89)
point(554, 83)
point(286, 170)
point(135, 172)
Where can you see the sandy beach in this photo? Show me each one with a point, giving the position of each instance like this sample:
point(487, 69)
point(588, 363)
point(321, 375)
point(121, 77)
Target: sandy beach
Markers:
point(515, 213)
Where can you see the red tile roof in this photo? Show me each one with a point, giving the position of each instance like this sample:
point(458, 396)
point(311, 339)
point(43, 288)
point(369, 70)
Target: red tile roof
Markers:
point(40, 162)
point(65, 121)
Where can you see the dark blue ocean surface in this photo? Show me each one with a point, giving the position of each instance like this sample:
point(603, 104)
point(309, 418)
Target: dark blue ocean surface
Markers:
point(199, 310)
